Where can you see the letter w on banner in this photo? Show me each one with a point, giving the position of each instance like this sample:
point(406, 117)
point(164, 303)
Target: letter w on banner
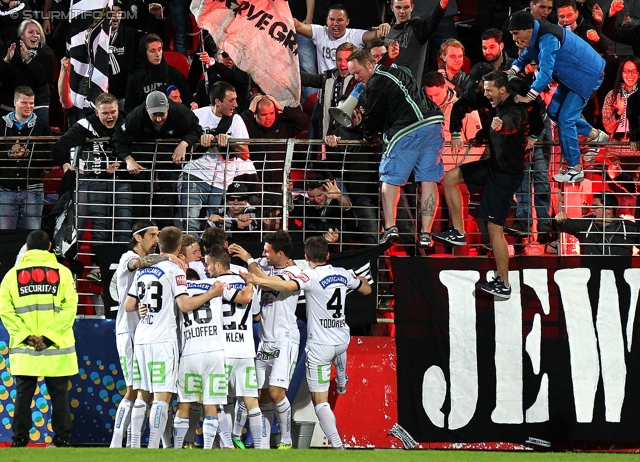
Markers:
point(88, 46)
point(260, 38)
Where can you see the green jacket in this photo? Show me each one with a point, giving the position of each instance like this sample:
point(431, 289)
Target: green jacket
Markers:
point(38, 297)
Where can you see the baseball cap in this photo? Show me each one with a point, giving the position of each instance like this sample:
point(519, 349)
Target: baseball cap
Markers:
point(157, 102)
point(237, 190)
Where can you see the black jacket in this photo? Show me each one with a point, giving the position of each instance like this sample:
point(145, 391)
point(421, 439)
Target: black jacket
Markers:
point(617, 239)
point(508, 145)
point(96, 159)
point(150, 77)
point(27, 172)
point(394, 102)
point(37, 74)
point(181, 124)
point(125, 55)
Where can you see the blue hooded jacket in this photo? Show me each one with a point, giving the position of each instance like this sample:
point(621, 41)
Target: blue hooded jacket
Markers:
point(563, 56)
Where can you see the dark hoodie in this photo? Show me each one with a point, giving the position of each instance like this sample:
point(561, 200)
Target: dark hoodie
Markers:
point(150, 77)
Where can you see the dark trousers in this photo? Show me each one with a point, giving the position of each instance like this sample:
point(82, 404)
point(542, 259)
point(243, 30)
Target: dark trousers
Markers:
point(61, 415)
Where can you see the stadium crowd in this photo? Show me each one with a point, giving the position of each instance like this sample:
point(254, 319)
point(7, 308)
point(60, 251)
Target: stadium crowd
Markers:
point(167, 84)
point(562, 71)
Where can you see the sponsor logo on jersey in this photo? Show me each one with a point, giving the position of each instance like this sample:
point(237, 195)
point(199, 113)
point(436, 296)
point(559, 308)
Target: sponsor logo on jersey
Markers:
point(154, 270)
point(288, 274)
point(333, 279)
point(303, 277)
point(203, 286)
point(237, 285)
point(38, 280)
point(181, 280)
point(268, 355)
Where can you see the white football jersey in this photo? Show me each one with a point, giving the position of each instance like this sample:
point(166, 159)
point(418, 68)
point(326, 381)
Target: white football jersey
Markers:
point(325, 289)
point(238, 321)
point(201, 329)
point(278, 309)
point(125, 322)
point(158, 286)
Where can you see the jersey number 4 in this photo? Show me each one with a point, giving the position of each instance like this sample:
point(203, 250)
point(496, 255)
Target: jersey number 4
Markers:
point(335, 304)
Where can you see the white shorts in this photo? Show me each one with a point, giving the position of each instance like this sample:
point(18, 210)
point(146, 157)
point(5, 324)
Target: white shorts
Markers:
point(241, 375)
point(201, 378)
point(275, 363)
point(124, 345)
point(318, 367)
point(155, 367)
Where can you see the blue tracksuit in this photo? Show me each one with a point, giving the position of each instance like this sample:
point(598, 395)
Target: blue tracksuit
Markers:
point(578, 69)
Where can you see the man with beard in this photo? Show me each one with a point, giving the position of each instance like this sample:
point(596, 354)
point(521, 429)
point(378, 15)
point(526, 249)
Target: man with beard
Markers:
point(493, 50)
point(501, 175)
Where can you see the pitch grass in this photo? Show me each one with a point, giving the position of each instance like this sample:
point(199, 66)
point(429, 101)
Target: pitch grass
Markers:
point(309, 455)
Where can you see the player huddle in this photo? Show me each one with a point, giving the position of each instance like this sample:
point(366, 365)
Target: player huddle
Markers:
point(194, 338)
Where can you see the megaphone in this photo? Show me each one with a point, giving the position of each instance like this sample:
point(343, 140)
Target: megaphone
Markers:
point(342, 113)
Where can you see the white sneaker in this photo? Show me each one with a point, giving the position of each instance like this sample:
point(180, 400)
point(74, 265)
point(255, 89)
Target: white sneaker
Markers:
point(601, 137)
point(570, 175)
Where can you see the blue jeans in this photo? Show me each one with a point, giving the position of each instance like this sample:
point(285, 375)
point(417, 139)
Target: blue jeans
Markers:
point(537, 175)
point(196, 194)
point(179, 12)
point(21, 209)
point(565, 109)
point(307, 59)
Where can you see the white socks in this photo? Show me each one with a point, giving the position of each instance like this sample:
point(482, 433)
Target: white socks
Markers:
point(180, 428)
point(340, 362)
point(209, 430)
point(224, 426)
point(123, 419)
point(283, 408)
point(138, 414)
point(328, 424)
point(241, 418)
point(157, 422)
point(255, 426)
point(267, 419)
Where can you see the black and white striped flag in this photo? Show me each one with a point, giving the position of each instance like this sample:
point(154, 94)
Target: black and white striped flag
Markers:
point(88, 48)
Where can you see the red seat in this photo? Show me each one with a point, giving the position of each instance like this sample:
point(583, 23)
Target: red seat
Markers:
point(177, 60)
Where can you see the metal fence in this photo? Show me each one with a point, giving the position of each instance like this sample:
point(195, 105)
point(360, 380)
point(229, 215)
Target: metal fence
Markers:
point(289, 184)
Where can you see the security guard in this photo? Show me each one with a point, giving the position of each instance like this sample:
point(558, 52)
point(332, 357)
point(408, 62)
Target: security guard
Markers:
point(38, 303)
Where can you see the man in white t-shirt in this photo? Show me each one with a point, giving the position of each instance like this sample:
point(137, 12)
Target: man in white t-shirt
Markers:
point(143, 245)
point(328, 337)
point(203, 372)
point(205, 178)
point(279, 335)
point(158, 289)
point(327, 38)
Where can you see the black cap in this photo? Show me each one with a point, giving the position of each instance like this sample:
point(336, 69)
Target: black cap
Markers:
point(237, 189)
point(521, 20)
point(477, 72)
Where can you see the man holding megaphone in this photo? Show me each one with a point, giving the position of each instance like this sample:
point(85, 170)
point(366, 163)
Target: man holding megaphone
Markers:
point(412, 132)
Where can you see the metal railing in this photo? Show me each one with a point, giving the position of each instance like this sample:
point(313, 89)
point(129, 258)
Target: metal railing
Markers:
point(107, 204)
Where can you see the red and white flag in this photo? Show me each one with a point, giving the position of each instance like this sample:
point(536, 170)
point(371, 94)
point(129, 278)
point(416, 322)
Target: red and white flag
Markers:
point(260, 37)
